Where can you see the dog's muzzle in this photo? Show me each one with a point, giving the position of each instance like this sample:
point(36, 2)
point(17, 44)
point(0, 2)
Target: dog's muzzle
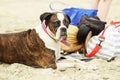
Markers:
point(63, 33)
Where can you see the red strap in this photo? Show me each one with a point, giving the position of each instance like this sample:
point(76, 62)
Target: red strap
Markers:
point(94, 51)
point(102, 35)
point(97, 47)
point(115, 23)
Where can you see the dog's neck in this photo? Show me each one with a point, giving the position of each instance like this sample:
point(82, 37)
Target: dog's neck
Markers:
point(49, 42)
point(47, 30)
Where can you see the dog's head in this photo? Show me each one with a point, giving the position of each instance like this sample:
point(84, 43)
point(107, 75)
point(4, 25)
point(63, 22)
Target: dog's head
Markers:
point(57, 24)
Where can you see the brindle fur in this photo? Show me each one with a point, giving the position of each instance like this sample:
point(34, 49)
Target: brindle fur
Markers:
point(26, 48)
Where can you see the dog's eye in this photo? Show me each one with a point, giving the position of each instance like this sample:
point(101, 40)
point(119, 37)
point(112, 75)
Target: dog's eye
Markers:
point(56, 23)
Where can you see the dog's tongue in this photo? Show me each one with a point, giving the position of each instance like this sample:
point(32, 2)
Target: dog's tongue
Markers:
point(65, 42)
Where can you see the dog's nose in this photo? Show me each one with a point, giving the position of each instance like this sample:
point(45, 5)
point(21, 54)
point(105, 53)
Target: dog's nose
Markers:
point(63, 30)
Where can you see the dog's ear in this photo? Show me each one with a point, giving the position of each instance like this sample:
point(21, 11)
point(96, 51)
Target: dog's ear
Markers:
point(69, 19)
point(45, 16)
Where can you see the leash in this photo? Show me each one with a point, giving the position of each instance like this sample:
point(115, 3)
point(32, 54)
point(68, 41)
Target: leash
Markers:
point(101, 39)
point(62, 41)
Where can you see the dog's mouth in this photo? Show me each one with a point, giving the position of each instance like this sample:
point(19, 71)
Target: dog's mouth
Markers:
point(62, 35)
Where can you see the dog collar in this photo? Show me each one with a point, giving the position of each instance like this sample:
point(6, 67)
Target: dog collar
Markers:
point(62, 41)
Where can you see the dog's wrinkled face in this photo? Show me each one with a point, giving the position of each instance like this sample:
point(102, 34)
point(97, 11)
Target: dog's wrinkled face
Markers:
point(57, 23)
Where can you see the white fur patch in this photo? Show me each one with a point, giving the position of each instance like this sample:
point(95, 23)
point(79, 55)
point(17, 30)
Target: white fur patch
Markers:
point(60, 16)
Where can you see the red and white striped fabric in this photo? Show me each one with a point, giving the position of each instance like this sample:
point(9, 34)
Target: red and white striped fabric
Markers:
point(106, 44)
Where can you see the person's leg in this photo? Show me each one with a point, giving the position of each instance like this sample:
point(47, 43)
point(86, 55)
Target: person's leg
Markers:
point(95, 4)
point(103, 8)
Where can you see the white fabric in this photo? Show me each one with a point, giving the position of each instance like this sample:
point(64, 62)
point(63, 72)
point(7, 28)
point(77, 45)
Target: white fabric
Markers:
point(110, 47)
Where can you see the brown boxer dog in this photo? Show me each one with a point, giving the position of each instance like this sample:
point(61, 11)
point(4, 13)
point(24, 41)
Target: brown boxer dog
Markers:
point(38, 47)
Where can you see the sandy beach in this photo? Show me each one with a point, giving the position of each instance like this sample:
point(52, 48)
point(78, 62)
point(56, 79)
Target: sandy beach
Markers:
point(20, 15)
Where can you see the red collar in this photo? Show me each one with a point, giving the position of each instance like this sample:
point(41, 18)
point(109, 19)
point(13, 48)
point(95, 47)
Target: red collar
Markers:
point(62, 41)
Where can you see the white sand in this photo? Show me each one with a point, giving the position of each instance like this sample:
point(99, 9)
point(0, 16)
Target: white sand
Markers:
point(23, 14)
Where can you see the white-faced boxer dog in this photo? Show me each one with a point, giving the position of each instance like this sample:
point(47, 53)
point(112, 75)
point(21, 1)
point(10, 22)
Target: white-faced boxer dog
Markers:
point(39, 47)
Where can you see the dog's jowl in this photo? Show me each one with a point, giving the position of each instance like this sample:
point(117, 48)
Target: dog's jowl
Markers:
point(38, 47)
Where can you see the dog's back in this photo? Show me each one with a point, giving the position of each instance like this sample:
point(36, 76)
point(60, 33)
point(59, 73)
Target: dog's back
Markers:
point(26, 48)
